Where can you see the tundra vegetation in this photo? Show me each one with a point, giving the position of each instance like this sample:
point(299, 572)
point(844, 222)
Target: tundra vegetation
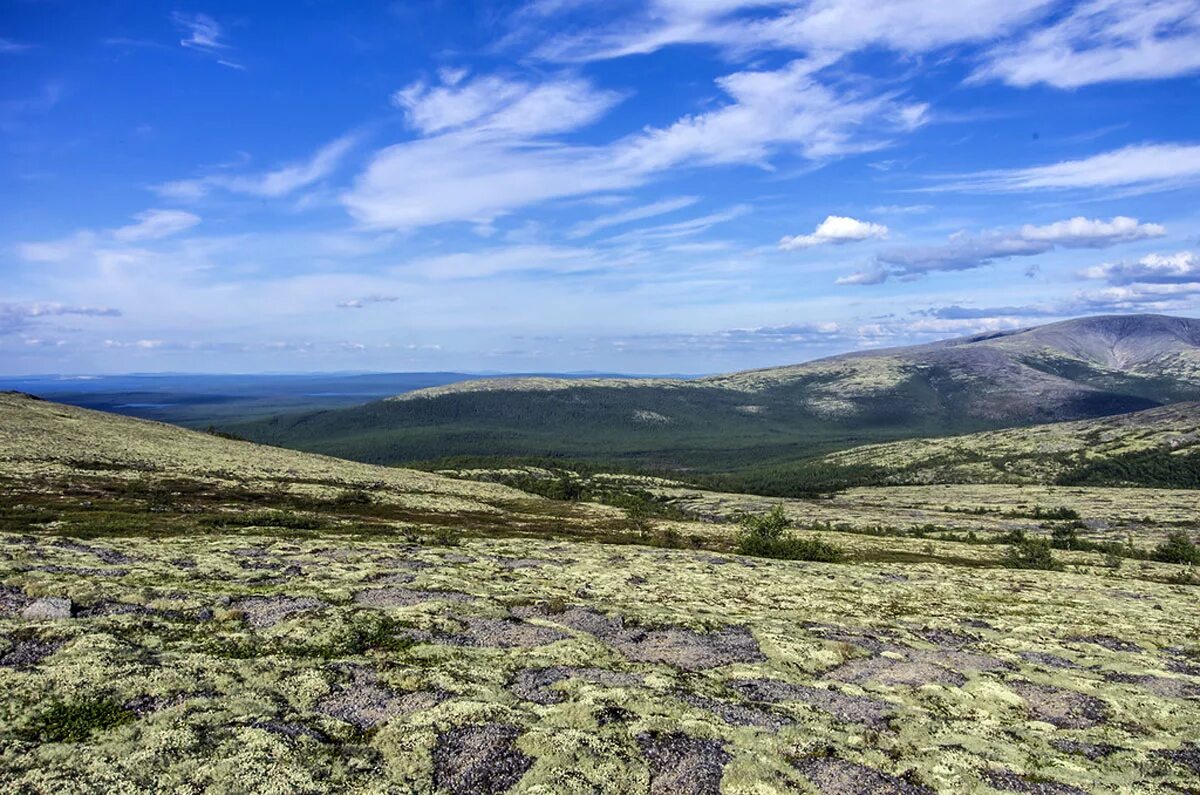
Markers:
point(184, 612)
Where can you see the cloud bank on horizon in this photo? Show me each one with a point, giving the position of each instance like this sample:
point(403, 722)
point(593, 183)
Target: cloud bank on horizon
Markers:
point(660, 185)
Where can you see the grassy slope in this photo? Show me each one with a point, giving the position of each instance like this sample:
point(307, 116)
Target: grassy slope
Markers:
point(750, 423)
point(930, 661)
point(1159, 447)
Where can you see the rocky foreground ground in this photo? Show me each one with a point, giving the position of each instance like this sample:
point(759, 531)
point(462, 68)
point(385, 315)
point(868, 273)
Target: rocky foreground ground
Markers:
point(264, 664)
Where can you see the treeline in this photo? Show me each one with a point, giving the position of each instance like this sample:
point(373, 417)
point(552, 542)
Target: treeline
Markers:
point(1156, 468)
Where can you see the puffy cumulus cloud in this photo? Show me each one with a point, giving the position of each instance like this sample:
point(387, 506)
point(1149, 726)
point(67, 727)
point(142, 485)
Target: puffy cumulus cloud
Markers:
point(1139, 297)
point(1083, 232)
point(835, 229)
point(1177, 268)
point(269, 184)
point(155, 224)
point(967, 252)
point(1139, 168)
point(1100, 41)
point(489, 146)
point(17, 317)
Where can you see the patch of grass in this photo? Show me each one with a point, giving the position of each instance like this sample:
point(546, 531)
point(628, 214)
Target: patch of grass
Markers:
point(76, 721)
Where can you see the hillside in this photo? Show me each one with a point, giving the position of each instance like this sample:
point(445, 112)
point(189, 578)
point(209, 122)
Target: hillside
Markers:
point(1076, 369)
point(189, 613)
point(1155, 447)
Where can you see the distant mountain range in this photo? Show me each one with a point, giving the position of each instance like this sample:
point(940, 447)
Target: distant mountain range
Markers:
point(751, 422)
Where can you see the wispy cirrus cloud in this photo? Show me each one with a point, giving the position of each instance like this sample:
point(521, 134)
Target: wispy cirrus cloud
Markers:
point(640, 213)
point(967, 252)
point(204, 34)
point(1101, 41)
point(270, 184)
point(741, 27)
point(489, 146)
point(1132, 169)
point(156, 224)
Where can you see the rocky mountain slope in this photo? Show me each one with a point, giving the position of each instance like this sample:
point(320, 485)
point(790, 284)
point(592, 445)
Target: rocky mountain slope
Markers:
point(1076, 369)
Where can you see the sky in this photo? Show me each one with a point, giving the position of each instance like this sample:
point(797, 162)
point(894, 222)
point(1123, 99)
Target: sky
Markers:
point(682, 186)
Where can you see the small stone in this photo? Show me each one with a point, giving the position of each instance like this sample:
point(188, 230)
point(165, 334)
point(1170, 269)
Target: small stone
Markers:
point(48, 607)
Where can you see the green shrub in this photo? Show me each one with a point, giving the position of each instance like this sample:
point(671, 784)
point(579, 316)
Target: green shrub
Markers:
point(445, 537)
point(1032, 553)
point(769, 526)
point(1065, 537)
point(768, 536)
point(73, 722)
point(1177, 548)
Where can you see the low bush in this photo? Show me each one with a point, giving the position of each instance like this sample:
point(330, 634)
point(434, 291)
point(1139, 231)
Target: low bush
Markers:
point(769, 536)
point(1032, 553)
point(1178, 547)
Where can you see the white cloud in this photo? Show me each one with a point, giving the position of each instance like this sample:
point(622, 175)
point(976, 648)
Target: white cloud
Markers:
point(489, 148)
point(835, 229)
point(1137, 168)
point(203, 32)
point(510, 259)
point(1104, 40)
point(1182, 266)
point(742, 26)
point(270, 184)
point(359, 303)
point(155, 224)
point(15, 317)
point(1092, 232)
point(967, 252)
point(651, 210)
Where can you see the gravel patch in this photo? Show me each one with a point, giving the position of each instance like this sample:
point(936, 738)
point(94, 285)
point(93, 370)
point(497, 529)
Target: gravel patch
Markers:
point(833, 776)
point(683, 765)
point(1011, 782)
point(535, 684)
point(679, 647)
point(1161, 686)
point(479, 760)
point(504, 633)
point(267, 611)
point(29, 652)
point(1185, 756)
point(889, 671)
point(405, 597)
point(1047, 659)
point(1107, 642)
point(852, 709)
point(367, 704)
point(1066, 709)
point(736, 714)
point(1091, 751)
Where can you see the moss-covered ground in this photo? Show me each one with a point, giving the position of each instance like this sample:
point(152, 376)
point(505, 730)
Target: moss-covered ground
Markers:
point(181, 613)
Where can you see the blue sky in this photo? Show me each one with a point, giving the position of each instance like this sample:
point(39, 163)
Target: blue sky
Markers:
point(661, 186)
